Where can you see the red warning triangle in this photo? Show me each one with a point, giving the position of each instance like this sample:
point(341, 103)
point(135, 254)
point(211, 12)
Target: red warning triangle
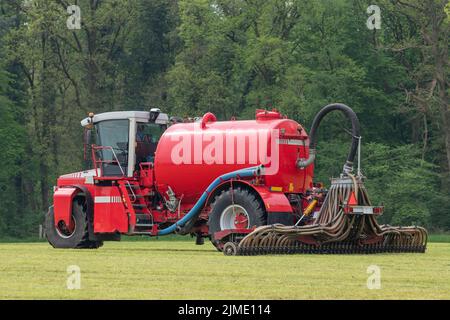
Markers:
point(352, 199)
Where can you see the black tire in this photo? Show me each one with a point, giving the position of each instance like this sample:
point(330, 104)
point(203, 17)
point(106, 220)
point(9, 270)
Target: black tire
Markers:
point(79, 238)
point(256, 213)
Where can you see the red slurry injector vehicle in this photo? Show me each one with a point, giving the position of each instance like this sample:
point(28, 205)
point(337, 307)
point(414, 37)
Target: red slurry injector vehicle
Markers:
point(246, 185)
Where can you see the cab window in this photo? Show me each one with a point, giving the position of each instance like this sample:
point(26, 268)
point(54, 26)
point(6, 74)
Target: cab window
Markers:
point(112, 135)
point(147, 138)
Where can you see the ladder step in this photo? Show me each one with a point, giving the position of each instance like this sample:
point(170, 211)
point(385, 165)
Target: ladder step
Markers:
point(150, 194)
point(141, 233)
point(143, 216)
point(139, 206)
point(143, 219)
point(144, 223)
point(141, 225)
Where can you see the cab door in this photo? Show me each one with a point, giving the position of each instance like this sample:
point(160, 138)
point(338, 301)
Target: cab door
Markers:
point(112, 148)
point(147, 139)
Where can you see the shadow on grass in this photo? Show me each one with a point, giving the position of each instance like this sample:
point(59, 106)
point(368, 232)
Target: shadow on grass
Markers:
point(161, 250)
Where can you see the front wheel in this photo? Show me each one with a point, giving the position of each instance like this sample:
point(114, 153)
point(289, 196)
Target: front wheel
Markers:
point(76, 235)
point(235, 209)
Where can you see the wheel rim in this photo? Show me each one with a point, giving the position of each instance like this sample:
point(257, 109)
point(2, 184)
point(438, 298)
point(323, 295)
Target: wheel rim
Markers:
point(234, 217)
point(229, 249)
point(64, 231)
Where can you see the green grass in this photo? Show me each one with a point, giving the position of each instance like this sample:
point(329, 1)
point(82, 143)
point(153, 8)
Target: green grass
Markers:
point(180, 270)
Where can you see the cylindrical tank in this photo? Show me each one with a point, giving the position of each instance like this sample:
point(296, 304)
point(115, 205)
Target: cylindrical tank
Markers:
point(190, 156)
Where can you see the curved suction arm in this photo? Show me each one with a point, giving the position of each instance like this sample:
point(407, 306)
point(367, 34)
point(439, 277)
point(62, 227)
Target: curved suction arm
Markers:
point(349, 114)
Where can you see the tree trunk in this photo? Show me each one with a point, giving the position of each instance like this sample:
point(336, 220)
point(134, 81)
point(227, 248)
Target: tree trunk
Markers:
point(438, 40)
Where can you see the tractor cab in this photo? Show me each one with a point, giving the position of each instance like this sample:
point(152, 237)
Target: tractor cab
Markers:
point(120, 141)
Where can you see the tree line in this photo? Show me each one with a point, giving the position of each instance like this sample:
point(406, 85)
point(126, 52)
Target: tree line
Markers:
point(229, 57)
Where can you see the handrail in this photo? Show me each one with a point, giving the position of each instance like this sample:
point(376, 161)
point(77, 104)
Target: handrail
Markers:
point(132, 191)
point(95, 148)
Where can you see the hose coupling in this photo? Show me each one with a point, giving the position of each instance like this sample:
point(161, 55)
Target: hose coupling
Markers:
point(348, 168)
point(303, 163)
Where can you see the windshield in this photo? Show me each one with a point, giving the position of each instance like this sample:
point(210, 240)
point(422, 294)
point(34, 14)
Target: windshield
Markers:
point(112, 135)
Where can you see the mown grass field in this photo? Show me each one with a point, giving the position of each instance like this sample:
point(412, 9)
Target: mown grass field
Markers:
point(162, 269)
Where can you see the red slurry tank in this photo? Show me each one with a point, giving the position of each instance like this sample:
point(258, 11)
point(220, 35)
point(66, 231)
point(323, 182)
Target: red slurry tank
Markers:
point(191, 155)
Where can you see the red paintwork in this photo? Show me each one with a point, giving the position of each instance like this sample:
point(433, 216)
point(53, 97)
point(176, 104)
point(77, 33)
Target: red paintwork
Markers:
point(208, 117)
point(352, 199)
point(113, 207)
point(147, 176)
point(62, 205)
point(109, 217)
point(267, 115)
point(274, 201)
point(241, 221)
point(193, 178)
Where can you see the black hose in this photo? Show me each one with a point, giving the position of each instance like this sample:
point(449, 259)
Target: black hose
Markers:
point(349, 114)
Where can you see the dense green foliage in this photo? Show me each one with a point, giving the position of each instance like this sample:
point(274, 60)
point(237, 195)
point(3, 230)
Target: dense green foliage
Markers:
point(229, 57)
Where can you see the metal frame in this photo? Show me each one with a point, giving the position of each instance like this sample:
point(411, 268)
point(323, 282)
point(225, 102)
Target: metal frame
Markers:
point(132, 147)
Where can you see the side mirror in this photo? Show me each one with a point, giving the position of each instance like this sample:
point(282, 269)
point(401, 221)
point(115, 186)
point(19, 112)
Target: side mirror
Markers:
point(86, 141)
point(154, 113)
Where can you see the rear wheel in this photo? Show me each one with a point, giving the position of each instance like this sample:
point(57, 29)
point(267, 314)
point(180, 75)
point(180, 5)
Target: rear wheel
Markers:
point(235, 209)
point(76, 235)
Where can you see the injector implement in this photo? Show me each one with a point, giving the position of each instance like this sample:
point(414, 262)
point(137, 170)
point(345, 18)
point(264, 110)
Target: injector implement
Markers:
point(246, 185)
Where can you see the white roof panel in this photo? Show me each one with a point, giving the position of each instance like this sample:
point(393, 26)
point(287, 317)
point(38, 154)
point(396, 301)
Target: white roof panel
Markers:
point(140, 116)
point(117, 115)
